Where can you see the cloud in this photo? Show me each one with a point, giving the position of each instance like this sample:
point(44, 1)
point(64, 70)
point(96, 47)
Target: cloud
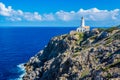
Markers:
point(48, 17)
point(32, 16)
point(5, 11)
point(65, 16)
point(18, 15)
point(92, 14)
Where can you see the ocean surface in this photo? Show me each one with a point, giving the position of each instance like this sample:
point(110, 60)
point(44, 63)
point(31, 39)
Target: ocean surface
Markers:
point(18, 44)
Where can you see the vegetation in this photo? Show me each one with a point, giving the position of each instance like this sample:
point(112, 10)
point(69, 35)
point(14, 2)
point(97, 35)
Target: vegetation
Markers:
point(104, 69)
point(111, 65)
point(97, 45)
point(114, 64)
point(98, 67)
point(109, 75)
point(81, 36)
point(84, 47)
point(108, 41)
point(64, 36)
point(110, 30)
point(75, 54)
point(109, 54)
point(116, 36)
point(67, 53)
point(84, 73)
point(101, 29)
point(77, 50)
point(93, 37)
point(96, 54)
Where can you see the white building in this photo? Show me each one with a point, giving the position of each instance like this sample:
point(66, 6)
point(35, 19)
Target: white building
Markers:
point(82, 27)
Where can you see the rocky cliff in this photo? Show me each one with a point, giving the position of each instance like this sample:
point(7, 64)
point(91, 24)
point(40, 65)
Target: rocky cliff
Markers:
point(93, 55)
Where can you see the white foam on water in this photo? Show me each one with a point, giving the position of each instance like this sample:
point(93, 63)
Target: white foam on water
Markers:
point(21, 69)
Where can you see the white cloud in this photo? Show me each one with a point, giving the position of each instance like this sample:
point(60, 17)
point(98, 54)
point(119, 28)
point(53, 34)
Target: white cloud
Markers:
point(14, 19)
point(5, 11)
point(32, 16)
point(18, 15)
point(65, 16)
point(92, 14)
point(48, 17)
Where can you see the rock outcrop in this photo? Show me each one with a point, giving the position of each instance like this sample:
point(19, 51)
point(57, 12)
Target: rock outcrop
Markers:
point(93, 55)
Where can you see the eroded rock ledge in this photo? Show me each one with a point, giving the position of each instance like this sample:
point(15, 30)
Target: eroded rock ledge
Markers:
point(93, 55)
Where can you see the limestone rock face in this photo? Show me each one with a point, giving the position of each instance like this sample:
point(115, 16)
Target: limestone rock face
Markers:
point(77, 56)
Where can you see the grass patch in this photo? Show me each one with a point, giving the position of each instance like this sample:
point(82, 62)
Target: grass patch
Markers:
point(109, 54)
point(66, 53)
point(93, 37)
point(77, 50)
point(75, 55)
point(101, 29)
point(110, 30)
point(97, 45)
point(84, 47)
point(81, 35)
point(111, 65)
point(114, 64)
point(84, 73)
point(109, 75)
point(104, 69)
point(116, 36)
point(108, 41)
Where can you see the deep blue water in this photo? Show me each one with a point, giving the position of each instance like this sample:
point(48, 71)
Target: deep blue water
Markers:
point(17, 45)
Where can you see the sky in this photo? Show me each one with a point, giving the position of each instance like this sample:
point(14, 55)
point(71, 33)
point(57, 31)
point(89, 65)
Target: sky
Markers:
point(64, 13)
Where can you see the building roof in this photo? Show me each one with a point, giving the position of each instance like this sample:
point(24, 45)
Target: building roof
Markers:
point(86, 26)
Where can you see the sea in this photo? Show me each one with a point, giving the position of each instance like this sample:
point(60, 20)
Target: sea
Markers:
point(18, 44)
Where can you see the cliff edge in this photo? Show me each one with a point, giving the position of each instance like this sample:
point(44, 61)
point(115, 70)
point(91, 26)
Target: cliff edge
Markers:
point(93, 55)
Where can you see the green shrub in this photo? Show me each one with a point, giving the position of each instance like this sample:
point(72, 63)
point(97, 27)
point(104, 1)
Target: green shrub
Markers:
point(101, 29)
point(84, 73)
point(77, 50)
point(74, 55)
point(93, 37)
point(105, 69)
point(97, 45)
point(110, 30)
point(115, 63)
point(116, 36)
point(108, 41)
point(81, 36)
point(109, 75)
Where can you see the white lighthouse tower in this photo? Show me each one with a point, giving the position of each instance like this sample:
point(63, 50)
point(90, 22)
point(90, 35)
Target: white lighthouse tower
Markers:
point(82, 22)
point(83, 28)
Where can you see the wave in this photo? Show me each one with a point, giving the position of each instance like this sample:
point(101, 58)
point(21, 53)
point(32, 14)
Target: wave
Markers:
point(21, 69)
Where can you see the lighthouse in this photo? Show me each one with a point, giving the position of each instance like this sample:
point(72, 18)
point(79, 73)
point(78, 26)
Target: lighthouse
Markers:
point(82, 22)
point(82, 27)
